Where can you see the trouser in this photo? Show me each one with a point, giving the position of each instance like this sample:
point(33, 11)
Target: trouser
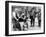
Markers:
point(32, 20)
point(21, 24)
point(16, 24)
point(39, 21)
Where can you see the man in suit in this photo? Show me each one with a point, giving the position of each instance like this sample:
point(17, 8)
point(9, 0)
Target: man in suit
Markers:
point(16, 24)
point(32, 16)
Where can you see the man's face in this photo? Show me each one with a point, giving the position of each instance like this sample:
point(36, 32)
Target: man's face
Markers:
point(18, 11)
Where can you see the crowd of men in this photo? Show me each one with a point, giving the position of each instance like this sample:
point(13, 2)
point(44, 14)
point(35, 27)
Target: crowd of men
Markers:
point(23, 18)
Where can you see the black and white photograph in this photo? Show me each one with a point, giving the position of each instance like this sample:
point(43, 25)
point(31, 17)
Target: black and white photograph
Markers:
point(25, 18)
